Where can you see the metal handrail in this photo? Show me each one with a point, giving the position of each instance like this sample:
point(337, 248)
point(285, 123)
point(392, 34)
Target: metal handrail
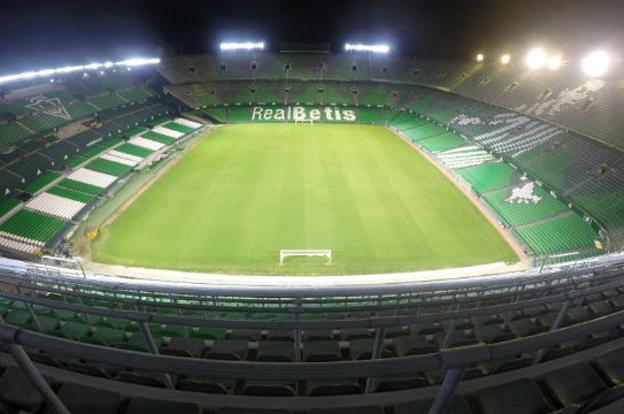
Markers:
point(373, 322)
point(460, 357)
point(476, 282)
point(241, 298)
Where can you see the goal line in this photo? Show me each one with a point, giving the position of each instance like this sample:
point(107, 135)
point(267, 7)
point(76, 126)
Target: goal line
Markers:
point(284, 253)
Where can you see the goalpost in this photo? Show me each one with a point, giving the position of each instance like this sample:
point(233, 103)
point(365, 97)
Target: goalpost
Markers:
point(284, 253)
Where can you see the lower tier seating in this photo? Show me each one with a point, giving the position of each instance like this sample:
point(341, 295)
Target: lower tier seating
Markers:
point(33, 226)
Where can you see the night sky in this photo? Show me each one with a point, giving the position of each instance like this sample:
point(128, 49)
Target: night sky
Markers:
point(36, 34)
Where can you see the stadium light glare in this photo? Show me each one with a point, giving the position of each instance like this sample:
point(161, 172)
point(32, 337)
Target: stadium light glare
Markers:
point(129, 63)
point(138, 62)
point(536, 58)
point(505, 59)
point(69, 69)
point(93, 66)
point(480, 57)
point(554, 62)
point(46, 72)
point(358, 47)
point(241, 45)
point(596, 63)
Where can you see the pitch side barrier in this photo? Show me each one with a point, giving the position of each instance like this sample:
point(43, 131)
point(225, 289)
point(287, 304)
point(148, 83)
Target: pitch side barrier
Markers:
point(291, 307)
point(298, 324)
point(33, 271)
point(296, 308)
point(453, 361)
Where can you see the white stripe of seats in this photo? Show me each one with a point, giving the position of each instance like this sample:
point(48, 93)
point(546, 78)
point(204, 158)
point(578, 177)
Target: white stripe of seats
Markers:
point(54, 205)
point(125, 156)
point(188, 123)
point(20, 246)
point(95, 178)
point(147, 143)
point(168, 132)
point(21, 239)
point(119, 160)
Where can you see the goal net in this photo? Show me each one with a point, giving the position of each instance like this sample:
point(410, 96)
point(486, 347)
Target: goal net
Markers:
point(284, 253)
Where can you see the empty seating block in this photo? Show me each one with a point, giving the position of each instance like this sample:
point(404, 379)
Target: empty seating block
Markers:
point(17, 391)
point(489, 176)
point(86, 400)
point(81, 187)
point(168, 132)
point(8, 205)
point(574, 384)
point(520, 397)
point(174, 126)
point(41, 182)
point(93, 178)
point(54, 205)
point(29, 226)
point(124, 160)
point(155, 136)
point(561, 234)
point(12, 133)
point(128, 158)
point(536, 205)
point(134, 131)
point(146, 143)
point(442, 142)
point(187, 123)
point(108, 167)
point(135, 150)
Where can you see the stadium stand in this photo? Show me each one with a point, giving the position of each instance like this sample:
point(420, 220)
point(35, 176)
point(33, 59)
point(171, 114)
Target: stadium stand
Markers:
point(539, 341)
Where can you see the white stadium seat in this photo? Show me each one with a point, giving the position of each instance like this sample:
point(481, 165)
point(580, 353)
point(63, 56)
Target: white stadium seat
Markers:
point(168, 132)
point(129, 157)
point(147, 143)
point(188, 123)
point(91, 177)
point(110, 157)
point(54, 205)
point(8, 242)
point(20, 239)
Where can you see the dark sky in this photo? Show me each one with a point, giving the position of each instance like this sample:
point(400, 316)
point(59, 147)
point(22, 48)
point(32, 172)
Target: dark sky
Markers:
point(35, 34)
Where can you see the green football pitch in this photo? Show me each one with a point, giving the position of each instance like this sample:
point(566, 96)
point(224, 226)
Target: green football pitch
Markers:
point(246, 191)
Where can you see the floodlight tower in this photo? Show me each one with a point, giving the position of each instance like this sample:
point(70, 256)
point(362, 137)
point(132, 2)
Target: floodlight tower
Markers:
point(370, 49)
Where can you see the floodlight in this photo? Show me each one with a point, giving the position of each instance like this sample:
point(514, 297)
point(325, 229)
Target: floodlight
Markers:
point(241, 45)
point(596, 63)
point(69, 69)
point(129, 63)
point(480, 57)
point(46, 72)
point(505, 59)
point(554, 62)
point(138, 62)
point(358, 47)
point(536, 58)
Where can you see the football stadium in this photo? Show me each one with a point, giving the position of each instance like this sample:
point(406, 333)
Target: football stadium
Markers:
point(271, 227)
